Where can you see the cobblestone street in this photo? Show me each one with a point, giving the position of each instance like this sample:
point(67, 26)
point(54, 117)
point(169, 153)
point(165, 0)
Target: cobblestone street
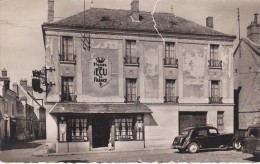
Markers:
point(24, 154)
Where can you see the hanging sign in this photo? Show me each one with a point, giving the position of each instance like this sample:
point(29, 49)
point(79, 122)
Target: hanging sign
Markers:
point(100, 71)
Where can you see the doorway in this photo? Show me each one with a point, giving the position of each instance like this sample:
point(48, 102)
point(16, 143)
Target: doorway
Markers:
point(100, 132)
point(188, 119)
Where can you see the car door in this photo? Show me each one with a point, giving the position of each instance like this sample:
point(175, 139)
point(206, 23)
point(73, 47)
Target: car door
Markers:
point(202, 137)
point(214, 140)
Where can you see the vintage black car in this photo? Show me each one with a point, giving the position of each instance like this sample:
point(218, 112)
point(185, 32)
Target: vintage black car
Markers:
point(193, 139)
point(251, 143)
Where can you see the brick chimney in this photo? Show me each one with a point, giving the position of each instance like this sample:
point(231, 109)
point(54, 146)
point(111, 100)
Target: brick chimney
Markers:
point(253, 30)
point(23, 83)
point(209, 22)
point(135, 10)
point(4, 73)
point(50, 10)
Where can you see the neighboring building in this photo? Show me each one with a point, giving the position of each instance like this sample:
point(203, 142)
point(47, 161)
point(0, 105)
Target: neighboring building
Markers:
point(8, 111)
point(247, 77)
point(119, 82)
point(31, 118)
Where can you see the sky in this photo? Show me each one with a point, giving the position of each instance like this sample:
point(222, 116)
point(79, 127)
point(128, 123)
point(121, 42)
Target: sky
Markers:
point(21, 39)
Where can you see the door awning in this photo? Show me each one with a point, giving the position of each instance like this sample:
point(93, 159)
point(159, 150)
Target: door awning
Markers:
point(98, 108)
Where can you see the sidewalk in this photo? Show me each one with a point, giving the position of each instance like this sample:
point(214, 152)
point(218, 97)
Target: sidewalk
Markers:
point(41, 151)
point(21, 145)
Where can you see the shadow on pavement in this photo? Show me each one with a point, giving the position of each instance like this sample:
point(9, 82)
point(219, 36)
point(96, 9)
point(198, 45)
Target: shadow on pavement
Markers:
point(74, 161)
point(18, 145)
point(252, 159)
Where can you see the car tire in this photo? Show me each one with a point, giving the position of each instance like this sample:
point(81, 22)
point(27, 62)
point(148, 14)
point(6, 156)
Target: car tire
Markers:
point(182, 150)
point(237, 145)
point(193, 148)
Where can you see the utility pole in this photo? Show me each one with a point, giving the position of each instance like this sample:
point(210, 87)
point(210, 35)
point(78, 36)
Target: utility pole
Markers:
point(238, 19)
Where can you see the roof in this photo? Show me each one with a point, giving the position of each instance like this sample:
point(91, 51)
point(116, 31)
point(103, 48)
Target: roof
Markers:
point(98, 108)
point(111, 19)
point(252, 46)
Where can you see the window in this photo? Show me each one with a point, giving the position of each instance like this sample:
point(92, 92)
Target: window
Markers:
point(6, 106)
point(73, 130)
point(203, 132)
point(67, 89)
point(215, 92)
point(214, 58)
point(67, 53)
point(170, 58)
point(131, 56)
point(131, 91)
point(213, 132)
point(220, 121)
point(254, 133)
point(129, 129)
point(12, 109)
point(170, 91)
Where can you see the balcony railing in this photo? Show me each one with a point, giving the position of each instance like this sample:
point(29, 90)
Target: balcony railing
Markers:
point(66, 98)
point(132, 98)
point(215, 63)
point(170, 61)
point(215, 100)
point(131, 60)
point(67, 58)
point(172, 99)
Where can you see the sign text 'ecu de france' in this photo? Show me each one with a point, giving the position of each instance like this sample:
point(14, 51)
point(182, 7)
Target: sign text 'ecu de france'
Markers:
point(100, 71)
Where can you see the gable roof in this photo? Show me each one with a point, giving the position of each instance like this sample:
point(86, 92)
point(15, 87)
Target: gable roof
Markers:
point(111, 19)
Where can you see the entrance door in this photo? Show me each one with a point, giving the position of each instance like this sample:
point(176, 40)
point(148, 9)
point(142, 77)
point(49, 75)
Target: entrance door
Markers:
point(100, 132)
point(188, 119)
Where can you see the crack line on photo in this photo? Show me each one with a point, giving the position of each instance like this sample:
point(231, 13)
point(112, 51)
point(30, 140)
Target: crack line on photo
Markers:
point(155, 21)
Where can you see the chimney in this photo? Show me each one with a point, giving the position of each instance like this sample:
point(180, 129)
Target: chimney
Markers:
point(15, 88)
point(50, 10)
point(209, 22)
point(135, 10)
point(4, 73)
point(253, 31)
point(23, 83)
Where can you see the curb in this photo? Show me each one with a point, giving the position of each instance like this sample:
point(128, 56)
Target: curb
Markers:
point(37, 154)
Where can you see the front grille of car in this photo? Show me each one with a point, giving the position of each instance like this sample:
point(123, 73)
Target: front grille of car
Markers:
point(177, 141)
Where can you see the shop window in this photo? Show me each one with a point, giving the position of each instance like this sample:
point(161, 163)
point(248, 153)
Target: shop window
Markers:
point(170, 92)
point(214, 61)
point(67, 89)
point(131, 91)
point(170, 57)
point(215, 92)
point(131, 57)
point(127, 129)
point(73, 130)
point(220, 121)
point(67, 53)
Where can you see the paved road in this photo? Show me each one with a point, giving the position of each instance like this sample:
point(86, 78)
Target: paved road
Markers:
point(24, 154)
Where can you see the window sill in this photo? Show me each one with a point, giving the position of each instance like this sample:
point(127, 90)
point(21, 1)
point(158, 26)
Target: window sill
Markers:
point(212, 67)
point(171, 66)
point(132, 65)
point(67, 62)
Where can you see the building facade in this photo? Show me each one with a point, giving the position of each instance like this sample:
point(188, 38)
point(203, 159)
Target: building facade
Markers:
point(247, 77)
point(117, 81)
point(8, 111)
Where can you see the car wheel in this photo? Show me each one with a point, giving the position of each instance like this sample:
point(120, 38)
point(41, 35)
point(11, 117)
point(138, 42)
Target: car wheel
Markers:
point(181, 150)
point(193, 148)
point(237, 145)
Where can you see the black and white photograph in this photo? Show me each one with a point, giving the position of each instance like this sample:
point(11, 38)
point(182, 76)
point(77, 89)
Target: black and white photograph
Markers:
point(129, 81)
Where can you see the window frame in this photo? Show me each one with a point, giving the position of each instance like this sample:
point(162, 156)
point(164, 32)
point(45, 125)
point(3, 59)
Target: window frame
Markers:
point(67, 49)
point(68, 84)
point(172, 88)
point(133, 89)
point(170, 50)
point(220, 121)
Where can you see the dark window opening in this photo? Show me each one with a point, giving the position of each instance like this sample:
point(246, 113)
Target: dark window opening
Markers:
point(67, 53)
point(67, 89)
point(131, 91)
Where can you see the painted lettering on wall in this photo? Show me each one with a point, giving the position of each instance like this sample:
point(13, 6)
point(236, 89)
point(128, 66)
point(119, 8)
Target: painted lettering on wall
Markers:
point(100, 71)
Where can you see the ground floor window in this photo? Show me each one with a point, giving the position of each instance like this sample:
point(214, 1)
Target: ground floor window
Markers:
point(220, 121)
point(73, 130)
point(127, 129)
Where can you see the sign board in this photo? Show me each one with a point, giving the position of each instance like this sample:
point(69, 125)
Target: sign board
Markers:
point(100, 71)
